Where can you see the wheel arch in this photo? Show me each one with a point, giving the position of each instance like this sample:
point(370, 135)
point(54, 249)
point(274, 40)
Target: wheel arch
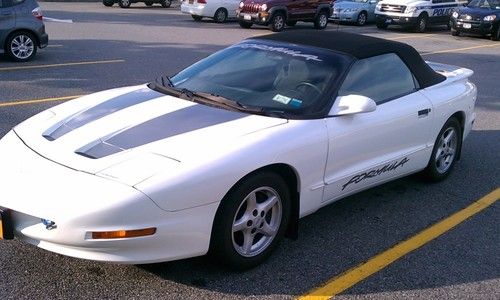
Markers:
point(278, 9)
point(324, 7)
point(7, 37)
point(460, 116)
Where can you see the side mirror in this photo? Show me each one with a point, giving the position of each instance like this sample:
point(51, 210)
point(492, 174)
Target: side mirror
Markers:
point(352, 104)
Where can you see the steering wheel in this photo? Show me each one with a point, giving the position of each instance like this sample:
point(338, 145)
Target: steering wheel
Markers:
point(308, 84)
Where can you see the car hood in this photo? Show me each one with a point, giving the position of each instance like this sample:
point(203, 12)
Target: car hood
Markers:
point(402, 2)
point(101, 130)
point(349, 4)
point(477, 12)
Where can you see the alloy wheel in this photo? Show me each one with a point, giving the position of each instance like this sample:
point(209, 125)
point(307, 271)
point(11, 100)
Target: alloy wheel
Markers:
point(447, 149)
point(22, 46)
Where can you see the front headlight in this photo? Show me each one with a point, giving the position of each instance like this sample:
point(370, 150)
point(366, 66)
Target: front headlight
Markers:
point(379, 6)
point(454, 14)
point(263, 7)
point(242, 4)
point(410, 9)
point(490, 18)
point(350, 10)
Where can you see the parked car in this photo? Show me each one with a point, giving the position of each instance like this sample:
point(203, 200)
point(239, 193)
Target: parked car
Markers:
point(21, 29)
point(479, 17)
point(127, 3)
point(219, 10)
point(228, 154)
point(354, 11)
point(278, 13)
point(415, 14)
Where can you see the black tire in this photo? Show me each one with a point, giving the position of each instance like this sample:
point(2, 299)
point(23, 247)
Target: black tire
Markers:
point(422, 22)
point(149, 3)
point(124, 3)
point(220, 15)
point(436, 171)
point(321, 20)
point(244, 24)
point(382, 25)
point(449, 25)
point(454, 32)
point(495, 35)
point(277, 22)
point(21, 46)
point(362, 19)
point(108, 2)
point(196, 18)
point(291, 23)
point(166, 3)
point(225, 241)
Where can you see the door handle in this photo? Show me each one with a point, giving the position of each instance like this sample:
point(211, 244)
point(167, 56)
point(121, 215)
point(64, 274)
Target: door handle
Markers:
point(424, 112)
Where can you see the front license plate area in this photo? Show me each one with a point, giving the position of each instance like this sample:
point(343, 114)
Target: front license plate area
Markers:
point(467, 26)
point(6, 228)
point(388, 21)
point(247, 17)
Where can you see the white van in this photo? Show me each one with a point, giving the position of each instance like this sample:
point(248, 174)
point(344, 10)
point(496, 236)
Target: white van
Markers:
point(219, 10)
point(417, 14)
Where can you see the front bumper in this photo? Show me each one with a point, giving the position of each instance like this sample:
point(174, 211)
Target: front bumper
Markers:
point(261, 18)
point(396, 20)
point(475, 27)
point(34, 188)
point(344, 17)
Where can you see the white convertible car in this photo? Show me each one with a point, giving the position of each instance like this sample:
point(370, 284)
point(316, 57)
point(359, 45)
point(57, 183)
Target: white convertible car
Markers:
point(227, 155)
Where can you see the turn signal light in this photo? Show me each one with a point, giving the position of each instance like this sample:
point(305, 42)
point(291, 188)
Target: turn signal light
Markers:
point(120, 234)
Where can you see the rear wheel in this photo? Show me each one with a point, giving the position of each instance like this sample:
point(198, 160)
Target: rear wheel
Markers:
point(251, 221)
point(422, 23)
point(166, 3)
point(196, 18)
point(244, 24)
point(108, 2)
point(124, 3)
point(445, 151)
point(362, 18)
point(277, 22)
point(220, 15)
point(321, 20)
point(21, 46)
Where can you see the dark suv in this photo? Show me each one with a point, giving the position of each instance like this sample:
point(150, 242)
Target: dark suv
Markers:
point(278, 13)
point(21, 29)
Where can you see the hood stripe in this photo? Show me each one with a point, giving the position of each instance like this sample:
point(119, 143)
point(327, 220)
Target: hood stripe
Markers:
point(102, 110)
point(178, 122)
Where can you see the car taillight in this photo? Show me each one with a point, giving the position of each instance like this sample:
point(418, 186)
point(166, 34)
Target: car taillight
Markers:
point(37, 13)
point(202, 1)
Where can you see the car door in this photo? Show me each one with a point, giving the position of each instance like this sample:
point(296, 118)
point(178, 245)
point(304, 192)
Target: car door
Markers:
point(7, 19)
point(369, 148)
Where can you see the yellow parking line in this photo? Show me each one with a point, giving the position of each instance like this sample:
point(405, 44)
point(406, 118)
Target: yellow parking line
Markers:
point(54, 45)
point(63, 65)
point(413, 36)
point(36, 101)
point(461, 49)
point(353, 276)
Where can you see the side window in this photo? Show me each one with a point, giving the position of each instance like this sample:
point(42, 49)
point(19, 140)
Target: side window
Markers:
point(381, 78)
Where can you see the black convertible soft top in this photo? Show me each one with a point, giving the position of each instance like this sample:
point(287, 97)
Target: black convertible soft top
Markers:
point(361, 46)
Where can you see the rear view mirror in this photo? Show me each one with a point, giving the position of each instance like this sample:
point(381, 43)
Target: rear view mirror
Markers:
point(352, 104)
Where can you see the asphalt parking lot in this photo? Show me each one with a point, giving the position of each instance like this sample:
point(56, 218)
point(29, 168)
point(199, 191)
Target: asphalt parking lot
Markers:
point(112, 47)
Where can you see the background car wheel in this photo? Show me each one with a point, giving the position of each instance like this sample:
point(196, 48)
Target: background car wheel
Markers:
point(108, 2)
point(166, 3)
point(277, 22)
point(445, 151)
point(422, 23)
point(21, 46)
point(495, 35)
point(362, 18)
point(251, 221)
point(291, 23)
point(124, 3)
point(244, 24)
point(220, 15)
point(455, 32)
point(149, 3)
point(382, 25)
point(196, 18)
point(321, 20)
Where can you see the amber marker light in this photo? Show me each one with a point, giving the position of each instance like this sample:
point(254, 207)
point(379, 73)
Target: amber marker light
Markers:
point(120, 234)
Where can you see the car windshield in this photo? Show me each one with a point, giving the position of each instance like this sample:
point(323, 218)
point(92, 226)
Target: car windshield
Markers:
point(266, 76)
point(492, 4)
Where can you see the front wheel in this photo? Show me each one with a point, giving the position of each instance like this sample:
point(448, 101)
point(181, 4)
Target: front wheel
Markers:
point(495, 35)
point(245, 25)
point(382, 25)
point(321, 20)
point(166, 3)
point(445, 151)
point(362, 18)
point(108, 2)
point(124, 3)
point(21, 46)
point(251, 221)
point(277, 22)
point(422, 23)
point(454, 32)
point(220, 15)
